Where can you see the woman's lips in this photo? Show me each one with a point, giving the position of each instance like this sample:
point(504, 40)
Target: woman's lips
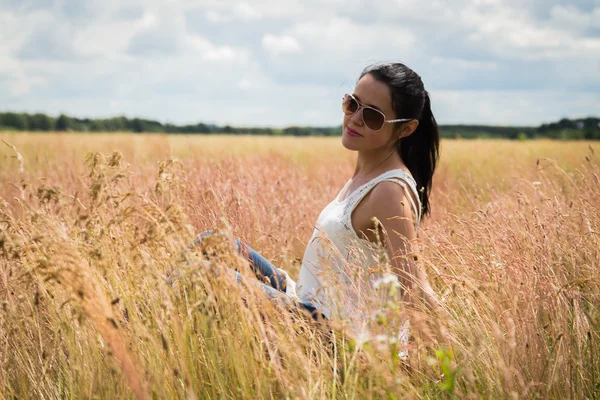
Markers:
point(352, 132)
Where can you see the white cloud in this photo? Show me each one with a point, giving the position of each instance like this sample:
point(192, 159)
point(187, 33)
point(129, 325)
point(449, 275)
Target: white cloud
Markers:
point(509, 32)
point(208, 51)
point(20, 84)
point(245, 84)
point(246, 12)
point(342, 35)
point(110, 38)
point(486, 61)
point(214, 16)
point(231, 12)
point(233, 9)
point(572, 18)
point(220, 54)
point(464, 64)
point(148, 20)
point(280, 44)
point(336, 50)
point(511, 107)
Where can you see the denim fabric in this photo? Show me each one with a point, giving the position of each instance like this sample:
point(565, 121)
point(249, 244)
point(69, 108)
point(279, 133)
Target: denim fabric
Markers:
point(262, 268)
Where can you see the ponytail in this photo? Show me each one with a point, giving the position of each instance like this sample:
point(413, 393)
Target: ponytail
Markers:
point(420, 152)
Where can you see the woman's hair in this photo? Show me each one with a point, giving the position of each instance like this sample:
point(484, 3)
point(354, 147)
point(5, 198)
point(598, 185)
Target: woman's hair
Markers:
point(419, 151)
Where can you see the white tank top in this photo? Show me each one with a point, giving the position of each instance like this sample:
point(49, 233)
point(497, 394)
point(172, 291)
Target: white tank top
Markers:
point(337, 268)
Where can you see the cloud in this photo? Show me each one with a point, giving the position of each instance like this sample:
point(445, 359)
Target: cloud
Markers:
point(19, 84)
point(246, 12)
point(277, 45)
point(215, 17)
point(258, 63)
point(77, 10)
point(234, 12)
point(510, 33)
point(128, 13)
point(334, 51)
point(209, 52)
point(118, 38)
point(49, 43)
point(515, 107)
point(27, 5)
point(160, 35)
point(154, 42)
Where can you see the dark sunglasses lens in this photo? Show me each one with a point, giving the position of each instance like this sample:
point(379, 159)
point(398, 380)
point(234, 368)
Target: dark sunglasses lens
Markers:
point(349, 105)
point(373, 119)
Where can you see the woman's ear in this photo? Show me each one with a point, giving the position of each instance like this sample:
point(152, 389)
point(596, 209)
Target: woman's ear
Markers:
point(408, 128)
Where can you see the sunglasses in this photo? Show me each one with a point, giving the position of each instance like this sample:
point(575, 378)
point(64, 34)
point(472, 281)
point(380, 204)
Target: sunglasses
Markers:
point(372, 117)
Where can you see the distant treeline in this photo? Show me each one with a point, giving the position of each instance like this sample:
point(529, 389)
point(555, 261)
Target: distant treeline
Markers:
point(585, 128)
point(566, 129)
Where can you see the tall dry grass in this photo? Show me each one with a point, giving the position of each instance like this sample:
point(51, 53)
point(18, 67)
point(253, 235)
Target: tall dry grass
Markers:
point(90, 226)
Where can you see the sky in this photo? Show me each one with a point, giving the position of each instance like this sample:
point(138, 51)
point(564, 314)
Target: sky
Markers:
point(288, 62)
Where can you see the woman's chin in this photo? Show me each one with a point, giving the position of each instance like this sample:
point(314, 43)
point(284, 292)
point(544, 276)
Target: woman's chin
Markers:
point(348, 143)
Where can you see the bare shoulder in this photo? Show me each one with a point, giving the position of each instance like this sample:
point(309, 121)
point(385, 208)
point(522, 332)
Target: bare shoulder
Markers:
point(384, 201)
point(389, 198)
point(387, 202)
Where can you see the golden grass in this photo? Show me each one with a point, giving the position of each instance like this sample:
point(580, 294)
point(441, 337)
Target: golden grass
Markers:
point(512, 247)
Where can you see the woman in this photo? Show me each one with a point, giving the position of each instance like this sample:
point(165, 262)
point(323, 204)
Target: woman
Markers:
point(388, 121)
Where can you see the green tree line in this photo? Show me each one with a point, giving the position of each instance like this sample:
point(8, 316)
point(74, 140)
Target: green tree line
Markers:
point(584, 128)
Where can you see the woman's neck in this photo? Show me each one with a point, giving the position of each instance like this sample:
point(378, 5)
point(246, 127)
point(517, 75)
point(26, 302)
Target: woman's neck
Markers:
point(377, 161)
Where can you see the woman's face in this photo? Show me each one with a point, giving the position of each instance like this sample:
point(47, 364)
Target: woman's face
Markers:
point(371, 92)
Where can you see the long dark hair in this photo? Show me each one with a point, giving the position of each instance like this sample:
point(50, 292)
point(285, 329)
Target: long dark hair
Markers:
point(419, 151)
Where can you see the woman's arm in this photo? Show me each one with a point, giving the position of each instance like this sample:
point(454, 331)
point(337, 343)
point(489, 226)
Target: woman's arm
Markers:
point(390, 206)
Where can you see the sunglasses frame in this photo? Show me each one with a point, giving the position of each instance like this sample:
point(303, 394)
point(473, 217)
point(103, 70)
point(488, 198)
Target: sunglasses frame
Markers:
point(362, 115)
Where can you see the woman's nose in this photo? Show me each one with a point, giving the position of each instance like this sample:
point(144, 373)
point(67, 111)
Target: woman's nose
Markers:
point(357, 117)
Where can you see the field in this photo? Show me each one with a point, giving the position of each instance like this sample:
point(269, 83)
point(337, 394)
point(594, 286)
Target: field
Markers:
point(90, 226)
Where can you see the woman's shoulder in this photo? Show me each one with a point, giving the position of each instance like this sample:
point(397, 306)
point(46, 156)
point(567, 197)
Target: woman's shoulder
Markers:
point(389, 195)
point(394, 197)
point(388, 202)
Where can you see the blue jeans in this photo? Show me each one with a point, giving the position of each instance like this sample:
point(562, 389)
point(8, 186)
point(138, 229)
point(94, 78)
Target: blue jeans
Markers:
point(263, 269)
